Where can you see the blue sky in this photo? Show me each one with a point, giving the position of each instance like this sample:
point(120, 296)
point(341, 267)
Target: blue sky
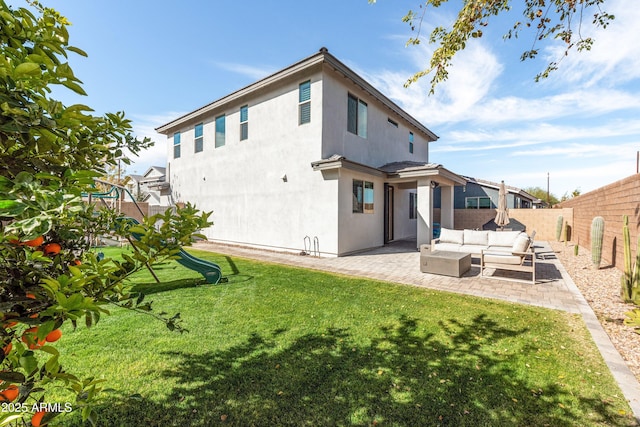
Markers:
point(157, 60)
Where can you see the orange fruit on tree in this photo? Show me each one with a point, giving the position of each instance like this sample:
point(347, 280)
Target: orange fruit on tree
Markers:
point(9, 394)
point(52, 249)
point(54, 335)
point(30, 339)
point(34, 243)
point(36, 420)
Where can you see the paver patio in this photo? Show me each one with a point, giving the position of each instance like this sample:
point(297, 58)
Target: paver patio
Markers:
point(399, 262)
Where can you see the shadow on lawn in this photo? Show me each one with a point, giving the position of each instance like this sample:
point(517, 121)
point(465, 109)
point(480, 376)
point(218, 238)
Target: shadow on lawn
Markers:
point(406, 378)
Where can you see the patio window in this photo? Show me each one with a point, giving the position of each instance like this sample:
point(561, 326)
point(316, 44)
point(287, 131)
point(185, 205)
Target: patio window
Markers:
point(244, 122)
point(199, 138)
point(176, 145)
point(413, 205)
point(411, 142)
point(478, 203)
point(357, 116)
point(362, 196)
point(304, 100)
point(220, 131)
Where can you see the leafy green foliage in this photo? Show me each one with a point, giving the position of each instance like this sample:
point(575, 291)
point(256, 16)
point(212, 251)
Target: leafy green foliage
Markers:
point(541, 194)
point(49, 157)
point(553, 20)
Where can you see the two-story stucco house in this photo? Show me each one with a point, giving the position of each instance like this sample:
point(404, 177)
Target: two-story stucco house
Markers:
point(312, 150)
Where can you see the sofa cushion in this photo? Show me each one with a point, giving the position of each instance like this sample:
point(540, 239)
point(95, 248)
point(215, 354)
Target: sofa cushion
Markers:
point(450, 247)
point(472, 249)
point(476, 237)
point(502, 259)
point(451, 236)
point(521, 243)
point(503, 238)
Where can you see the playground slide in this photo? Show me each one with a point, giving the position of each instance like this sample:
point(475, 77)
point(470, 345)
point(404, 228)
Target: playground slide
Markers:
point(210, 270)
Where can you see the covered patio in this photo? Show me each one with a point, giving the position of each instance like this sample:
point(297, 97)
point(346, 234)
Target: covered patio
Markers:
point(425, 177)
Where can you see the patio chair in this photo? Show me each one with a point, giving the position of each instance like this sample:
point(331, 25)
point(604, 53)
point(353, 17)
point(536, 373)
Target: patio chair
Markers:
point(522, 258)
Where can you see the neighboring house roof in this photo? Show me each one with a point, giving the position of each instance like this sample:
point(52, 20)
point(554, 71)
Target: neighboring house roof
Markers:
point(396, 171)
point(317, 59)
point(509, 188)
point(160, 170)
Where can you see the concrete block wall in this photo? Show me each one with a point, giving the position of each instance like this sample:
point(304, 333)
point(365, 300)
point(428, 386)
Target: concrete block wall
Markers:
point(610, 202)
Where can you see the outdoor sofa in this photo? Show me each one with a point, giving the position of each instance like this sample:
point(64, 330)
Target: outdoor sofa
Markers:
point(500, 250)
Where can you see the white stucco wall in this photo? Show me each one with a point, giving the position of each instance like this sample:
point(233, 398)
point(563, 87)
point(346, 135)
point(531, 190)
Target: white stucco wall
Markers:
point(242, 181)
point(357, 231)
point(384, 143)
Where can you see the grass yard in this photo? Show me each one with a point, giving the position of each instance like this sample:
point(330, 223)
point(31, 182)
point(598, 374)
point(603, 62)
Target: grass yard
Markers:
point(282, 346)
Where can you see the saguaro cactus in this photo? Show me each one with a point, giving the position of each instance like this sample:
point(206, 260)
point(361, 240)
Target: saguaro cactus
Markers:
point(631, 278)
point(597, 234)
point(559, 228)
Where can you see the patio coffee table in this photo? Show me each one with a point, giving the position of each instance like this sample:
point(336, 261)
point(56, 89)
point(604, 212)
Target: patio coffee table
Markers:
point(445, 263)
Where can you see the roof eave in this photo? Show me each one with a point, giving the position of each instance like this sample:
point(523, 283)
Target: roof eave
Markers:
point(321, 57)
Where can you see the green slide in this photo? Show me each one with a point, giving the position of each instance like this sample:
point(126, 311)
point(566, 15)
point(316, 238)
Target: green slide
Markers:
point(210, 270)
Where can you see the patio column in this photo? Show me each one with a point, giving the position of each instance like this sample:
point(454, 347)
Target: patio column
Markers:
point(446, 206)
point(425, 211)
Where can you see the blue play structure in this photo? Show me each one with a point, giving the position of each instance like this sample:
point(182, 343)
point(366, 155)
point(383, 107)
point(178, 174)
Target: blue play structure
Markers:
point(210, 270)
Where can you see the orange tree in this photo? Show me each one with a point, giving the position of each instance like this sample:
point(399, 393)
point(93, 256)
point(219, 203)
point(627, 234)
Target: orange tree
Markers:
point(49, 155)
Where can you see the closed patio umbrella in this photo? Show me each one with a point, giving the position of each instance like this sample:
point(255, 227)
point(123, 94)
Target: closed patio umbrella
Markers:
point(502, 213)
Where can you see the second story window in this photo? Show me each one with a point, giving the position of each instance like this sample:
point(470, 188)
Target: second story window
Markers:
point(244, 123)
point(411, 142)
point(304, 100)
point(220, 131)
point(176, 145)
point(199, 138)
point(357, 116)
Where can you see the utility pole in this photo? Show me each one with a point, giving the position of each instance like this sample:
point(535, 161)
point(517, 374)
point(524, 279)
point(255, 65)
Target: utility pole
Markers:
point(548, 198)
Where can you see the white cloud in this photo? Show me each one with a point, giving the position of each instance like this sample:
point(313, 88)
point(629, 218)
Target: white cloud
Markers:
point(615, 55)
point(255, 73)
point(469, 82)
point(144, 126)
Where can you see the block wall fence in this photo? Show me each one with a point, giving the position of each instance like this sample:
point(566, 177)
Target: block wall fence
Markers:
point(610, 202)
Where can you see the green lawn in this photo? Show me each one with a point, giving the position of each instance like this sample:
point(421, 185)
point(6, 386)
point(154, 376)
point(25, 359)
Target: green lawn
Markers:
point(280, 346)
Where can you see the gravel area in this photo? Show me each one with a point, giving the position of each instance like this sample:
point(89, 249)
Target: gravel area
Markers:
point(601, 289)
